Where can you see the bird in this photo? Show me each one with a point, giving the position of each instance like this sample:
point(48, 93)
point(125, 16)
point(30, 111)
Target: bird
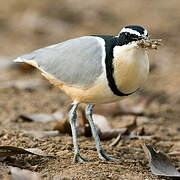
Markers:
point(94, 69)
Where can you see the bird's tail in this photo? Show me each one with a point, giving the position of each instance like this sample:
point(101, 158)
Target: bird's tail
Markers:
point(24, 60)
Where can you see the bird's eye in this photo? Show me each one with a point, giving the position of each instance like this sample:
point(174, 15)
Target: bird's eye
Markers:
point(127, 34)
point(133, 36)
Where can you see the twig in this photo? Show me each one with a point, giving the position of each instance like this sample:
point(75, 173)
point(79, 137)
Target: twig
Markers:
point(116, 141)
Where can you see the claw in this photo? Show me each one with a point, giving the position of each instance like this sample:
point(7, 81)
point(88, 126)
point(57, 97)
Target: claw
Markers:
point(78, 158)
point(102, 155)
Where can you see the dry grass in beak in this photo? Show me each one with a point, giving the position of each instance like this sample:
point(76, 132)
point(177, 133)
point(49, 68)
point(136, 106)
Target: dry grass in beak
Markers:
point(149, 43)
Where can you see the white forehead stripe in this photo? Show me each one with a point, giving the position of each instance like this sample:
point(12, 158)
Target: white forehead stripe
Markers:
point(145, 32)
point(131, 31)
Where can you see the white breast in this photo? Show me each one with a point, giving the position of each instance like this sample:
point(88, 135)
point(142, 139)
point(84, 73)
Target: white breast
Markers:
point(131, 67)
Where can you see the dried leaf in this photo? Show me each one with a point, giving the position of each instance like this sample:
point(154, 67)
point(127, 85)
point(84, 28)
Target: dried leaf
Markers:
point(175, 153)
point(11, 150)
point(101, 122)
point(63, 126)
point(43, 118)
point(111, 133)
point(106, 132)
point(35, 151)
point(159, 163)
point(21, 174)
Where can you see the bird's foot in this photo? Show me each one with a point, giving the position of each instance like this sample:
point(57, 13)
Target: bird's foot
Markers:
point(78, 158)
point(102, 155)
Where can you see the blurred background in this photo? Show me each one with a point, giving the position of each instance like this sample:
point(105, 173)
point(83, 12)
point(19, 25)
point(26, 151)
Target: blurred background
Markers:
point(28, 25)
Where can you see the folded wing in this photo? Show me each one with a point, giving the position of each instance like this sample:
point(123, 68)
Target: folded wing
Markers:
point(77, 62)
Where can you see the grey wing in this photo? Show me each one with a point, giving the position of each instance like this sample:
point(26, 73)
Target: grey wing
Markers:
point(76, 62)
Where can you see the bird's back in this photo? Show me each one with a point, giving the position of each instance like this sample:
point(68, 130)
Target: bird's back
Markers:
point(76, 62)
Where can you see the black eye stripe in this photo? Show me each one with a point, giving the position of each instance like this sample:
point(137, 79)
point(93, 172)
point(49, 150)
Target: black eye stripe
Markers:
point(130, 35)
point(133, 36)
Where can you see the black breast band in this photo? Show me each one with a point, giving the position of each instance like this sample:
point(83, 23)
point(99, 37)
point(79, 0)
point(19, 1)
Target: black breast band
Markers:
point(110, 43)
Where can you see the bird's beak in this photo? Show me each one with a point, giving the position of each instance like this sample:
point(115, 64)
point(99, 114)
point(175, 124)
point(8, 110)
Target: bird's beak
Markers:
point(144, 37)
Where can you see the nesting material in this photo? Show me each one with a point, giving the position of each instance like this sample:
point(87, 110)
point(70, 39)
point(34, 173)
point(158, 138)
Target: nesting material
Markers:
point(149, 43)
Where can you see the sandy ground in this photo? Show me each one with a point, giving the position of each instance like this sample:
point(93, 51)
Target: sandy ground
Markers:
point(25, 26)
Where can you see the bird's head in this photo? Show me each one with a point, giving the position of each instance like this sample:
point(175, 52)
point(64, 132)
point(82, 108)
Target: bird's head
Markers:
point(132, 33)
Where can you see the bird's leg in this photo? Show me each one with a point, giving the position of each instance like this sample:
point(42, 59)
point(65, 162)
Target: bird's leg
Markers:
point(72, 119)
point(102, 154)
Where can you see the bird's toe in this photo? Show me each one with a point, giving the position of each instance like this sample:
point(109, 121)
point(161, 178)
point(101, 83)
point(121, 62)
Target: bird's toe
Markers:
point(102, 155)
point(78, 158)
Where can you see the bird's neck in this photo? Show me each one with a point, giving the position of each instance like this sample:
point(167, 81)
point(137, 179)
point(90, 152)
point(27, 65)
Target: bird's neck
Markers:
point(131, 67)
